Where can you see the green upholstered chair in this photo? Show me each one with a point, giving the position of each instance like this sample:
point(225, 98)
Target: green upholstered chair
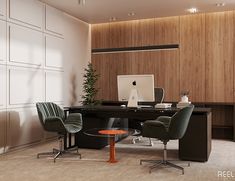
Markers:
point(165, 129)
point(53, 119)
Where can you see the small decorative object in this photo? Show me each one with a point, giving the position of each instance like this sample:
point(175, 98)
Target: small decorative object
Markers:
point(184, 96)
point(90, 78)
point(184, 100)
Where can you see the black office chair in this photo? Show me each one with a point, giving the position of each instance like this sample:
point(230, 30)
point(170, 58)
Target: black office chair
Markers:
point(52, 119)
point(167, 128)
point(159, 94)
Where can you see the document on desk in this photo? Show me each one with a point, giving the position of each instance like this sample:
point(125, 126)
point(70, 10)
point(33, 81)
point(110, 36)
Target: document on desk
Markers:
point(163, 105)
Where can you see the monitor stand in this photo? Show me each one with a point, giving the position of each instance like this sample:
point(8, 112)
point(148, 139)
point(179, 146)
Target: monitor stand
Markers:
point(133, 99)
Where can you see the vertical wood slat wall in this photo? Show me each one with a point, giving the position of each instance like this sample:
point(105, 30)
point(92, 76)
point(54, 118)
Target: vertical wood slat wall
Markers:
point(203, 64)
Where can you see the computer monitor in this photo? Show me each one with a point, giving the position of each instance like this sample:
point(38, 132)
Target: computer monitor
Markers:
point(144, 86)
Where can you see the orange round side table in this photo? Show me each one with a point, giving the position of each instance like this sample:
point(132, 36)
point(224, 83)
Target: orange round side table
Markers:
point(112, 134)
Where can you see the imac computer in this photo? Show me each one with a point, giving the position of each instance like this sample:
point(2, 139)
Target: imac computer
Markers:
point(136, 88)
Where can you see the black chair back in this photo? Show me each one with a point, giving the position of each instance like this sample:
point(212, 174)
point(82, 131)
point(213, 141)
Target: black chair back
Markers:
point(159, 94)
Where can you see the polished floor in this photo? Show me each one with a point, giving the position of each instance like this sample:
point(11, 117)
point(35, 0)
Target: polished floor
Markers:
point(23, 165)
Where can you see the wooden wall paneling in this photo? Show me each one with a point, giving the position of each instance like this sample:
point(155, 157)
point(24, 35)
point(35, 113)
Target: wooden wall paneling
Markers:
point(120, 34)
point(167, 73)
point(100, 36)
point(143, 32)
point(3, 121)
point(113, 61)
point(192, 56)
point(219, 57)
point(126, 64)
point(166, 30)
point(143, 63)
point(101, 65)
point(234, 79)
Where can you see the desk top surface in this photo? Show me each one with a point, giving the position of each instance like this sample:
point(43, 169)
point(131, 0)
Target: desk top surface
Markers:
point(101, 108)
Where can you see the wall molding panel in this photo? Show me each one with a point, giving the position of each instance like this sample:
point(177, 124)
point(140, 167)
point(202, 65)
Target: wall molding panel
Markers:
point(3, 41)
point(23, 128)
point(54, 52)
point(3, 8)
point(53, 20)
point(30, 84)
point(3, 87)
point(32, 66)
point(26, 46)
point(29, 12)
point(54, 86)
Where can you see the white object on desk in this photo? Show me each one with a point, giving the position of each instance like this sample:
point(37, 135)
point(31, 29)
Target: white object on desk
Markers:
point(133, 98)
point(163, 105)
point(183, 104)
point(184, 98)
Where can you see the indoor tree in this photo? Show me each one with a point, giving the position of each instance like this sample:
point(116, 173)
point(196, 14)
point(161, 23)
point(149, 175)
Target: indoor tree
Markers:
point(89, 90)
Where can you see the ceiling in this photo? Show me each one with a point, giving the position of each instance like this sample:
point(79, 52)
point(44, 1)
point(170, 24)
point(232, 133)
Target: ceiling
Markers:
point(100, 11)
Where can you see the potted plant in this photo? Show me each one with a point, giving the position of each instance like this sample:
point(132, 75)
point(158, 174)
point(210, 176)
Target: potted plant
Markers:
point(89, 89)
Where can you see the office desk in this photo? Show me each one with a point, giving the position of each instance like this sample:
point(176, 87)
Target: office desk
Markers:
point(194, 146)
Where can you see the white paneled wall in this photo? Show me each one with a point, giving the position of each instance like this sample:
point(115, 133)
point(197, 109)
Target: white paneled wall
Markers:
point(26, 45)
point(3, 87)
point(27, 11)
point(29, 82)
point(54, 21)
point(54, 86)
point(54, 51)
point(3, 39)
point(40, 48)
point(23, 127)
point(2, 9)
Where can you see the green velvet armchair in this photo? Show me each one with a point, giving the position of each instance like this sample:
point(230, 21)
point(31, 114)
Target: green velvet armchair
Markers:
point(53, 119)
point(165, 129)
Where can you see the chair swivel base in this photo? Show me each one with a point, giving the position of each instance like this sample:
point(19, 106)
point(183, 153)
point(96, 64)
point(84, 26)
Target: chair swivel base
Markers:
point(56, 153)
point(158, 163)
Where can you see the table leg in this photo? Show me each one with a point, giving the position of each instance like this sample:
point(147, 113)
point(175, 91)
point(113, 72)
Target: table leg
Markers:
point(112, 150)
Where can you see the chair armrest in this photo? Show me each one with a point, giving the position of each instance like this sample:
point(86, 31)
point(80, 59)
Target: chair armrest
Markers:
point(165, 120)
point(74, 118)
point(154, 123)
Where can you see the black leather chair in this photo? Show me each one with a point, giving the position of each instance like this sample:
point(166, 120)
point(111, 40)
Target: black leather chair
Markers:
point(159, 94)
point(53, 119)
point(165, 129)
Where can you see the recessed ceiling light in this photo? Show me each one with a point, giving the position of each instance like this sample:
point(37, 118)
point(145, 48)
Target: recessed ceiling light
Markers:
point(131, 14)
point(220, 4)
point(192, 10)
point(112, 19)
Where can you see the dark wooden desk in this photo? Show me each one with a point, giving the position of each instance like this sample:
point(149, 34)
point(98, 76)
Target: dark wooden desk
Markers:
point(194, 146)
